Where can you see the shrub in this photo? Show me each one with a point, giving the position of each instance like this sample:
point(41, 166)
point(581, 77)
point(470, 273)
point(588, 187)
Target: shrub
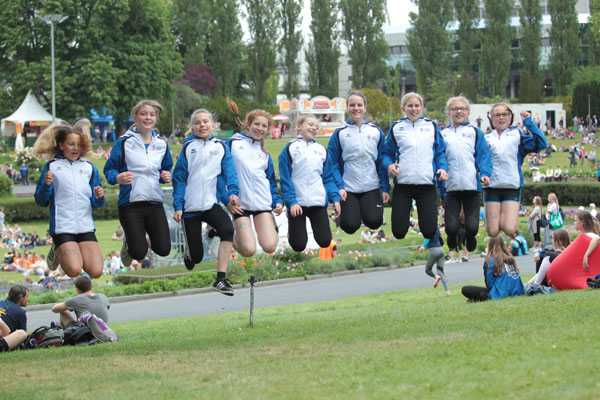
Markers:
point(568, 193)
point(5, 185)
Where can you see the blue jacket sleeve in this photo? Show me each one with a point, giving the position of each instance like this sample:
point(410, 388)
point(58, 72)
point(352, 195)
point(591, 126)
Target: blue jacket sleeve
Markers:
point(532, 143)
point(95, 182)
point(439, 151)
point(113, 166)
point(167, 162)
point(43, 192)
point(227, 181)
point(275, 197)
point(333, 194)
point(285, 177)
point(488, 273)
point(384, 180)
point(390, 149)
point(180, 175)
point(334, 151)
point(483, 155)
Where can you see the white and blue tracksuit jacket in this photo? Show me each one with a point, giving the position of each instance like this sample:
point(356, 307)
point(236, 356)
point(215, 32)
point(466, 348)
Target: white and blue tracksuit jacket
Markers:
point(356, 155)
point(419, 150)
point(255, 172)
point(468, 156)
point(508, 151)
point(306, 174)
point(204, 174)
point(70, 196)
point(130, 153)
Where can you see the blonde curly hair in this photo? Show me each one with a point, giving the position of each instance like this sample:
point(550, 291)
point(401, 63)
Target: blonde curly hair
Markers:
point(47, 144)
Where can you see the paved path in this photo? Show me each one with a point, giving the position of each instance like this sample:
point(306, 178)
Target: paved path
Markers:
point(287, 293)
point(23, 190)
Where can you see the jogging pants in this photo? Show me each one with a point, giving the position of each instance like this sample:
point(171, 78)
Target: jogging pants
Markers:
point(143, 217)
point(426, 198)
point(217, 218)
point(475, 293)
point(436, 257)
point(366, 207)
point(469, 201)
point(297, 235)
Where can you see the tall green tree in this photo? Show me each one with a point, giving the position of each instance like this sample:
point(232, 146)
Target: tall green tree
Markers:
point(108, 53)
point(531, 43)
point(362, 22)
point(429, 42)
point(323, 51)
point(594, 32)
point(291, 43)
point(264, 36)
point(564, 39)
point(467, 34)
point(496, 40)
point(190, 19)
point(224, 51)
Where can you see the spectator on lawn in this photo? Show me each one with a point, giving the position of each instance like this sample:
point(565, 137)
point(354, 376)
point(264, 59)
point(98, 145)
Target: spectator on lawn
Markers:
point(560, 241)
point(13, 320)
point(534, 222)
point(85, 301)
point(501, 275)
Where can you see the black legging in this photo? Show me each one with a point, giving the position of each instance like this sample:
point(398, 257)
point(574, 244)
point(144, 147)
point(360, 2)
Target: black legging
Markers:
point(469, 201)
point(366, 207)
point(475, 293)
point(426, 198)
point(143, 217)
point(217, 218)
point(319, 220)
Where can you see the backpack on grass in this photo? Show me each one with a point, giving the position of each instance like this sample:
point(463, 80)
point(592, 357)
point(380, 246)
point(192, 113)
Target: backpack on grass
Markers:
point(78, 333)
point(45, 336)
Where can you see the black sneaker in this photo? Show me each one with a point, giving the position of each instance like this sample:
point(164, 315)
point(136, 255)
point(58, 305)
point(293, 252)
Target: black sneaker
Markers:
point(471, 243)
point(189, 264)
point(223, 286)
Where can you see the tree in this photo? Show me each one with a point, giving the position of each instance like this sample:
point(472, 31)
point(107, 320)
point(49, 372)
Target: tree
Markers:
point(200, 78)
point(429, 42)
point(224, 52)
point(190, 19)
point(323, 51)
point(291, 43)
point(564, 40)
point(593, 34)
point(108, 53)
point(496, 41)
point(531, 43)
point(264, 34)
point(367, 49)
point(467, 15)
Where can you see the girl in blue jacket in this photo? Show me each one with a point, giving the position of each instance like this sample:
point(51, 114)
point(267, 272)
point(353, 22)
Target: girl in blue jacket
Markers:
point(204, 175)
point(258, 187)
point(415, 154)
point(139, 162)
point(469, 168)
point(509, 145)
point(356, 152)
point(501, 275)
point(70, 186)
point(307, 185)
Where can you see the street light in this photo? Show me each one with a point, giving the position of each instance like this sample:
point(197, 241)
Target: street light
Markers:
point(52, 19)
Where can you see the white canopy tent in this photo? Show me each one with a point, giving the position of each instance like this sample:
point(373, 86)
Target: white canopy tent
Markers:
point(30, 111)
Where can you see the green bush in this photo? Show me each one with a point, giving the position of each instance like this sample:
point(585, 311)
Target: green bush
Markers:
point(23, 209)
point(568, 193)
point(5, 185)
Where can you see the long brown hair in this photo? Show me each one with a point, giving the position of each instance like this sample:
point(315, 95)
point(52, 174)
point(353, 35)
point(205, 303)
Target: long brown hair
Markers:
point(497, 251)
point(561, 239)
point(589, 225)
point(47, 144)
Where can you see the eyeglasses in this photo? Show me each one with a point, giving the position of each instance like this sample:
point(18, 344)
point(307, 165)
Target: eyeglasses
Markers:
point(500, 115)
point(459, 109)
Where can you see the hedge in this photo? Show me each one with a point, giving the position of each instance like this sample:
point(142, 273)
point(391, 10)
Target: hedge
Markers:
point(575, 194)
point(24, 209)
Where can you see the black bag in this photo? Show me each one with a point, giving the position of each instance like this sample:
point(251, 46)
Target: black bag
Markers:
point(78, 333)
point(45, 336)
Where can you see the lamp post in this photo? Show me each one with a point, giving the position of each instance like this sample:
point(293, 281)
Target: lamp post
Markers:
point(403, 85)
point(52, 19)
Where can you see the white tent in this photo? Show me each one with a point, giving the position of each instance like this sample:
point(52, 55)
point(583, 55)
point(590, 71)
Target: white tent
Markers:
point(30, 111)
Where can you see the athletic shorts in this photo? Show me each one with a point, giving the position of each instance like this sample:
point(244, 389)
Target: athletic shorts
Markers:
point(501, 195)
point(73, 237)
point(247, 213)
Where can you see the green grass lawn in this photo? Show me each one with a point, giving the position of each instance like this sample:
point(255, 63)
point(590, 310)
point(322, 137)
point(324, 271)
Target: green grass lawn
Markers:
point(416, 344)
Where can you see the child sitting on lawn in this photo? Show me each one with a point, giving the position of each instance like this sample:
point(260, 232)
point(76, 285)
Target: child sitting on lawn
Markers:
point(501, 275)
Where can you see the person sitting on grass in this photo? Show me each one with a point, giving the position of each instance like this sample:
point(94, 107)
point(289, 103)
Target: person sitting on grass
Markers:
point(501, 275)
point(560, 241)
point(13, 320)
point(85, 301)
